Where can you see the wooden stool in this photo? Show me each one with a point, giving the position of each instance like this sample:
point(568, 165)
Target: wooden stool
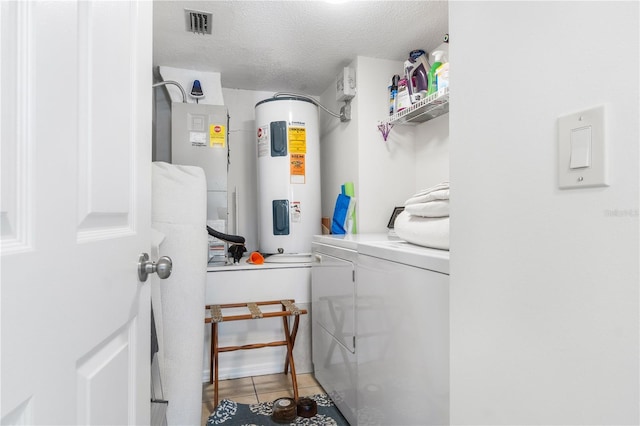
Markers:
point(288, 309)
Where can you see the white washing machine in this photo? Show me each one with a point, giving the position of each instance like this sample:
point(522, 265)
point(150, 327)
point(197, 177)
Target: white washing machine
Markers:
point(333, 295)
point(402, 339)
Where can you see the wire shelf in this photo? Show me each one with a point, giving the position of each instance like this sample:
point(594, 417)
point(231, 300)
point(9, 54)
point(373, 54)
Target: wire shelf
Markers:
point(426, 109)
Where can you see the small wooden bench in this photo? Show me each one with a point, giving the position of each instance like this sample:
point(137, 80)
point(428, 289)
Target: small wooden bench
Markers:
point(216, 316)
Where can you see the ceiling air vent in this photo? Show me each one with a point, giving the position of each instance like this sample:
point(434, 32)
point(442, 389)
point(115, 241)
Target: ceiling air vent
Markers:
point(198, 22)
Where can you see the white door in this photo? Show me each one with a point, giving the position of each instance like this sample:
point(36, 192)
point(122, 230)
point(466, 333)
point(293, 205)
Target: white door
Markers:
point(76, 156)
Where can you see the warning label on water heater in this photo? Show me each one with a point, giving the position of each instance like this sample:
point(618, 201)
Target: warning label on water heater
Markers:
point(297, 168)
point(263, 141)
point(296, 212)
point(298, 140)
point(217, 135)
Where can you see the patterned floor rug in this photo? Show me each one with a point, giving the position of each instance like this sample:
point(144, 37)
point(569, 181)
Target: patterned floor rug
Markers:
point(230, 413)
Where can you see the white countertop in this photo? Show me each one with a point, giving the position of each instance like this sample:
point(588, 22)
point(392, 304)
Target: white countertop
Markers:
point(380, 245)
point(409, 254)
point(390, 248)
point(351, 241)
point(244, 266)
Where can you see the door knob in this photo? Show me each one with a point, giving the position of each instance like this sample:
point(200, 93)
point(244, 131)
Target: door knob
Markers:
point(146, 267)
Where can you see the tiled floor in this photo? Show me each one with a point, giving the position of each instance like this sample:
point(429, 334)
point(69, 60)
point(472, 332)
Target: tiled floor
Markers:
point(251, 390)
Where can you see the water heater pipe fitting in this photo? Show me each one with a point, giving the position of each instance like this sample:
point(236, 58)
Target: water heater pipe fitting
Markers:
point(345, 111)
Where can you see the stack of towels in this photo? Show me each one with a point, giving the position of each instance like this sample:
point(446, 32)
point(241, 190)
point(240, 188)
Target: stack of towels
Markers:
point(425, 219)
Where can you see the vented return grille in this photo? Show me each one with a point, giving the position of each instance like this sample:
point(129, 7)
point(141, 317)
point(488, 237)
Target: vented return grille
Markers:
point(198, 22)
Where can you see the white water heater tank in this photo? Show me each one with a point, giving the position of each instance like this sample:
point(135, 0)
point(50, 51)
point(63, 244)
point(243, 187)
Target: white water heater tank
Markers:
point(288, 174)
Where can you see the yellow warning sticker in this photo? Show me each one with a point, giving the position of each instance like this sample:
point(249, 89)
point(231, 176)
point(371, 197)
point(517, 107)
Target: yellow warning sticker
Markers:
point(298, 140)
point(217, 135)
point(297, 168)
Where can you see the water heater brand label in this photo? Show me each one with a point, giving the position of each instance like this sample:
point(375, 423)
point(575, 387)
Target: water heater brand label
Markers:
point(298, 140)
point(297, 168)
point(263, 141)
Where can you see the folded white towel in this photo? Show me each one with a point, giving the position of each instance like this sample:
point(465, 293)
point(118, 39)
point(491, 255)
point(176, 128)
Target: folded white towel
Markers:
point(423, 231)
point(441, 185)
point(440, 194)
point(435, 208)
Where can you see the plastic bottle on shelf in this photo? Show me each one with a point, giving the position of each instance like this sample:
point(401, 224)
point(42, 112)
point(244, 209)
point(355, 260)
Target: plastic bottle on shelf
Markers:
point(403, 99)
point(433, 86)
point(393, 94)
point(442, 76)
point(416, 69)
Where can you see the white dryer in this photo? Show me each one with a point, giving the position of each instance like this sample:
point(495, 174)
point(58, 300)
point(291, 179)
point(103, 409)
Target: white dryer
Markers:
point(402, 315)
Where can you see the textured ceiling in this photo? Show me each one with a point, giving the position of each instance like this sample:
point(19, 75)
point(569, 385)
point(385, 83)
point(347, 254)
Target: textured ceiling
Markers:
point(295, 46)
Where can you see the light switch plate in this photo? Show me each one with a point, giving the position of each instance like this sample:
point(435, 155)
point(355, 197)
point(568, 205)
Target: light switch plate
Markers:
point(580, 148)
point(596, 173)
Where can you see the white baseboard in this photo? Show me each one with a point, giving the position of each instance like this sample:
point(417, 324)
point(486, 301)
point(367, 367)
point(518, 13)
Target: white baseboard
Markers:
point(252, 370)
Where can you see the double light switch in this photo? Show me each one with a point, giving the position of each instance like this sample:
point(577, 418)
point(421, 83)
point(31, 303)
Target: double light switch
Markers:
point(581, 156)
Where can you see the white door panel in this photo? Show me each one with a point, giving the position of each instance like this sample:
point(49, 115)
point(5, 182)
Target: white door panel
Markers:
point(334, 297)
point(17, 188)
point(76, 150)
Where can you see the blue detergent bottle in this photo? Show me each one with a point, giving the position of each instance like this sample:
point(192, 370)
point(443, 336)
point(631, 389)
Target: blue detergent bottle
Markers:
point(416, 69)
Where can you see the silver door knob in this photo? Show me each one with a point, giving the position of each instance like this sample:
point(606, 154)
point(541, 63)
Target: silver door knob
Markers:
point(146, 267)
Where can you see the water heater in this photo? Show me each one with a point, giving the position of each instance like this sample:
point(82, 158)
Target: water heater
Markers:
point(288, 149)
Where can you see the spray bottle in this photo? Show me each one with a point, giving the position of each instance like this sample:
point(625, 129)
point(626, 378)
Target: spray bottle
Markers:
point(393, 93)
point(433, 86)
point(416, 69)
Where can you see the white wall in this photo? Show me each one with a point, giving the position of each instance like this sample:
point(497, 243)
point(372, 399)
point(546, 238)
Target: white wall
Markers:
point(387, 169)
point(544, 282)
point(338, 149)
point(432, 152)
point(385, 173)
